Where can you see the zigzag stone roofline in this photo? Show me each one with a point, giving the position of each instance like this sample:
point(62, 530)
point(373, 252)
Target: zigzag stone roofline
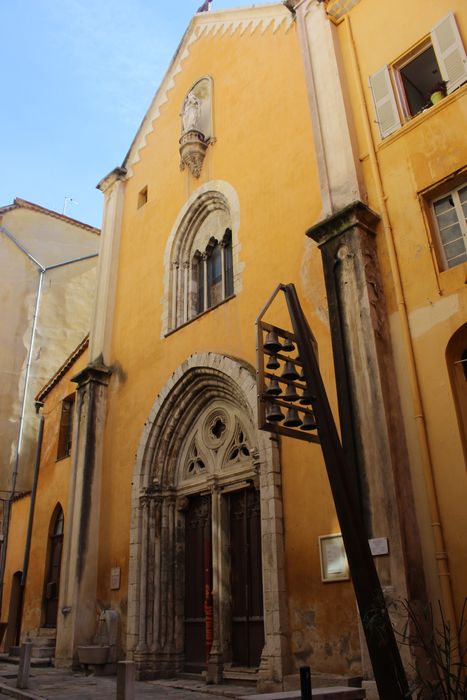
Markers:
point(243, 20)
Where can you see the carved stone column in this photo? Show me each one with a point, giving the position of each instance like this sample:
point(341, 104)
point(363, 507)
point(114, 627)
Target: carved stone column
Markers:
point(275, 659)
point(214, 672)
point(77, 613)
point(369, 406)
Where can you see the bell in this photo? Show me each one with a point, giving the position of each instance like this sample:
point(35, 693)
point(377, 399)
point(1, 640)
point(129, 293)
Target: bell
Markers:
point(272, 343)
point(290, 393)
point(273, 362)
point(288, 346)
point(274, 413)
point(292, 420)
point(308, 422)
point(273, 388)
point(289, 371)
point(305, 398)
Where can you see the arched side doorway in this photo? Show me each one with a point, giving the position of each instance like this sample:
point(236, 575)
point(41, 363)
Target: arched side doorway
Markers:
point(207, 534)
point(53, 567)
point(12, 635)
point(456, 358)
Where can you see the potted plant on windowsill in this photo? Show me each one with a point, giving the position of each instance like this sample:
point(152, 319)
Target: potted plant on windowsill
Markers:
point(438, 91)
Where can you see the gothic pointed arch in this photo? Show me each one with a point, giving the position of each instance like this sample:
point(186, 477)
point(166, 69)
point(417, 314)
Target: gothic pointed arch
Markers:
point(456, 359)
point(201, 262)
point(201, 442)
point(53, 567)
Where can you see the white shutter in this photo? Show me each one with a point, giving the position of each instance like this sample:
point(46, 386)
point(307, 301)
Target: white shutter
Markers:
point(385, 102)
point(450, 52)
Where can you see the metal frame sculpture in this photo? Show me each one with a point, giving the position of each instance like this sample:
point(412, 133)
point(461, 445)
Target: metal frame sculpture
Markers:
point(309, 417)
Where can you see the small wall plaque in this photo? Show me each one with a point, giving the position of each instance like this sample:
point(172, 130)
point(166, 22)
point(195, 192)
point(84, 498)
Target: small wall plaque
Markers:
point(115, 573)
point(379, 546)
point(334, 564)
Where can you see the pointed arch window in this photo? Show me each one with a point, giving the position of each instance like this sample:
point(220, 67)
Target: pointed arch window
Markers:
point(202, 259)
point(212, 273)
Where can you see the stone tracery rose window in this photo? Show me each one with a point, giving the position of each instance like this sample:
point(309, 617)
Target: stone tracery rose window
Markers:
point(218, 442)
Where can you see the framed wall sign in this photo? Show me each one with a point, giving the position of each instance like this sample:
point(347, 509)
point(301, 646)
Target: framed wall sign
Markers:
point(334, 564)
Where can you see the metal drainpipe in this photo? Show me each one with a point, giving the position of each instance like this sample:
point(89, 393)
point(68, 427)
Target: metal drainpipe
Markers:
point(27, 549)
point(441, 556)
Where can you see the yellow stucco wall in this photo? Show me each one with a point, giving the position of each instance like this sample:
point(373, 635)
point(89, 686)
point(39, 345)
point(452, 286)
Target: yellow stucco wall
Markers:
point(412, 161)
point(52, 489)
point(263, 150)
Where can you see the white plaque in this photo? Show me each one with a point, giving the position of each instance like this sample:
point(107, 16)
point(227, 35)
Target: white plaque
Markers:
point(379, 546)
point(334, 564)
point(115, 578)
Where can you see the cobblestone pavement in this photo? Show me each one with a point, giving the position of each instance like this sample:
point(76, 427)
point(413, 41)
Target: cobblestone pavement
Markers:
point(55, 684)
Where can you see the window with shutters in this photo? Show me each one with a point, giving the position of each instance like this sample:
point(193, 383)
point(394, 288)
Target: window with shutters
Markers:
point(417, 81)
point(450, 217)
point(66, 427)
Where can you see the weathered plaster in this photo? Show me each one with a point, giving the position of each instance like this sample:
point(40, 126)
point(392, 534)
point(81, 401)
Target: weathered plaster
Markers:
point(422, 320)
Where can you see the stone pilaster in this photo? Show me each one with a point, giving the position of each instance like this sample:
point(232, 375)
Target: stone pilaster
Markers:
point(369, 405)
point(77, 619)
point(275, 659)
point(101, 328)
point(333, 131)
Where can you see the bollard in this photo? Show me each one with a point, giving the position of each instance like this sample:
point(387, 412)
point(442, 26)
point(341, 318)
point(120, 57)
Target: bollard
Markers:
point(125, 680)
point(24, 665)
point(305, 682)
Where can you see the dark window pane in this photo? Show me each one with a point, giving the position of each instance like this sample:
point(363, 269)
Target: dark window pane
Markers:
point(228, 264)
point(419, 77)
point(66, 428)
point(215, 276)
point(200, 286)
point(451, 234)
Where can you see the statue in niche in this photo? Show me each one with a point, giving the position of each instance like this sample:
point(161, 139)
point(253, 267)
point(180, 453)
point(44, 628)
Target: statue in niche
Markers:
point(191, 112)
point(196, 126)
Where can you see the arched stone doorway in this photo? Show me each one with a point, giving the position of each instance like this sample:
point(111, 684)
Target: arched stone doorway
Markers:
point(456, 358)
point(53, 568)
point(12, 636)
point(206, 511)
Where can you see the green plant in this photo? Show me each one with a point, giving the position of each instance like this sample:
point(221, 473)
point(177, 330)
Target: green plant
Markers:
point(441, 671)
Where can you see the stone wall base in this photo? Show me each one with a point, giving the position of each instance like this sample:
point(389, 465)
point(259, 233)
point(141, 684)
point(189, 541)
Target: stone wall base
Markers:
point(371, 690)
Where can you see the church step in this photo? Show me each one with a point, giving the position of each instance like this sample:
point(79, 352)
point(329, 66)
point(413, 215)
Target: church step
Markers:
point(240, 676)
point(333, 693)
point(42, 652)
point(35, 662)
point(323, 680)
point(43, 642)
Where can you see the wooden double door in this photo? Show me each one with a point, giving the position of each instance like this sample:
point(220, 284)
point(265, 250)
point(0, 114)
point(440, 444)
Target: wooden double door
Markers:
point(242, 578)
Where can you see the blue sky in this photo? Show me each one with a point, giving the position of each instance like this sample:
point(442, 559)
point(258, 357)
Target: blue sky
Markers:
point(77, 78)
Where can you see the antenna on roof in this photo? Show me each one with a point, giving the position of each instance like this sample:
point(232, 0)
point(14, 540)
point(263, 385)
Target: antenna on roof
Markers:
point(66, 201)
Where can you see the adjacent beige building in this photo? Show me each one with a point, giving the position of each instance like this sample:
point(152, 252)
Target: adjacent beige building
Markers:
point(47, 286)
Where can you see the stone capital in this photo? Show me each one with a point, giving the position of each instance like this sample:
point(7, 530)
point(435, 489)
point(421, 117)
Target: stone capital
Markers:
point(109, 180)
point(96, 372)
point(355, 215)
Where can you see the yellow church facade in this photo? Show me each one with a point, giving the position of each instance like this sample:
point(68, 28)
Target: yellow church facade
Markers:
point(286, 143)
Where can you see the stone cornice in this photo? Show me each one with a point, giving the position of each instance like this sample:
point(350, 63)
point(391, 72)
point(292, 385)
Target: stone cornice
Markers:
point(109, 180)
point(96, 372)
point(355, 214)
